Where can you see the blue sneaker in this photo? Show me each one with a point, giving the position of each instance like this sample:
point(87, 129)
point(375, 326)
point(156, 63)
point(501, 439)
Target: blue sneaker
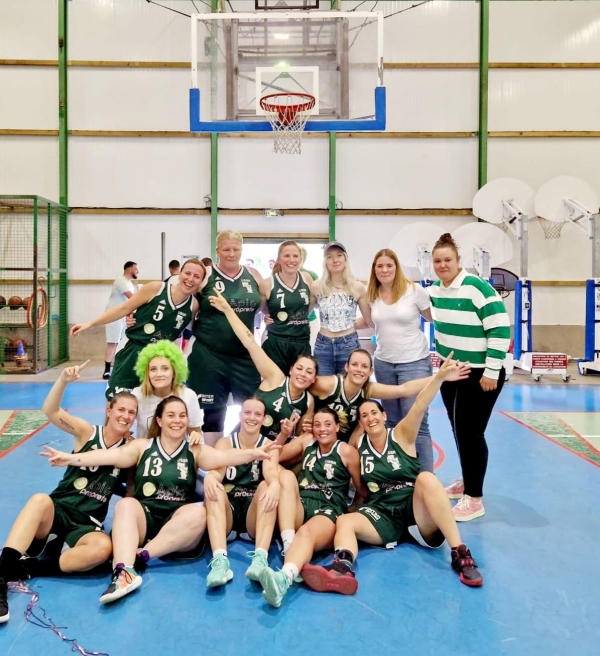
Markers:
point(220, 572)
point(259, 562)
point(275, 585)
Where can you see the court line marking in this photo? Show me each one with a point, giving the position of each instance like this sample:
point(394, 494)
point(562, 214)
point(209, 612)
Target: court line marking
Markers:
point(582, 439)
point(550, 439)
point(21, 441)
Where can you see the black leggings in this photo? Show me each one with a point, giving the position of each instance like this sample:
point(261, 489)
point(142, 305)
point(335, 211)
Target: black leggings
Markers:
point(469, 409)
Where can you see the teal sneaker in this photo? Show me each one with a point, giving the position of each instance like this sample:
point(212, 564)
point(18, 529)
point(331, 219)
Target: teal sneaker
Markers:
point(220, 572)
point(259, 562)
point(275, 585)
point(124, 580)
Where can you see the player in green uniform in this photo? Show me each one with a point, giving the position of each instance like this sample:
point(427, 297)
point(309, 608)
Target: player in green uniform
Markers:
point(313, 505)
point(403, 504)
point(74, 512)
point(243, 499)
point(284, 396)
point(162, 311)
point(289, 303)
point(161, 516)
point(345, 393)
point(219, 364)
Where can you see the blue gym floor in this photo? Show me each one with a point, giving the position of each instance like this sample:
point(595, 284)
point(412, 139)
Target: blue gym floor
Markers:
point(536, 548)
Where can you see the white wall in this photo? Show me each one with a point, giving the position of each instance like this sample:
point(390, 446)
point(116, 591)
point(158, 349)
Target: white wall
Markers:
point(372, 173)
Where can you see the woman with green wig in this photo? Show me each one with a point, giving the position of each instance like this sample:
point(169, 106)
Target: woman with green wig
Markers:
point(162, 370)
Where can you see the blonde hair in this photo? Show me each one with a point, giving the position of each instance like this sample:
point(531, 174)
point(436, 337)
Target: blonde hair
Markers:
point(289, 242)
point(229, 234)
point(400, 285)
point(323, 285)
point(303, 255)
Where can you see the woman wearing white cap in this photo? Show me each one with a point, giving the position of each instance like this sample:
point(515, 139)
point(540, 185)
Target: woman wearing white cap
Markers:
point(338, 294)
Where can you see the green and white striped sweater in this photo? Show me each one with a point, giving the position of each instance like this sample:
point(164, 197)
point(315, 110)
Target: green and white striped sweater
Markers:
point(471, 320)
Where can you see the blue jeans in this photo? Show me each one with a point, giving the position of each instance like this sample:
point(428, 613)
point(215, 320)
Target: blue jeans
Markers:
point(332, 352)
point(397, 409)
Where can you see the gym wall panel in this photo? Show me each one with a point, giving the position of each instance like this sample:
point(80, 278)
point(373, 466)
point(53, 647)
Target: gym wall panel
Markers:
point(147, 99)
point(133, 30)
point(29, 165)
point(545, 31)
point(252, 175)
point(246, 223)
point(363, 236)
point(99, 245)
point(28, 29)
point(384, 173)
point(138, 172)
point(564, 309)
point(554, 99)
point(30, 98)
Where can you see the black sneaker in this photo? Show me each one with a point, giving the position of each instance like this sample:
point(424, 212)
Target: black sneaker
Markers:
point(106, 375)
point(465, 565)
point(4, 614)
point(140, 565)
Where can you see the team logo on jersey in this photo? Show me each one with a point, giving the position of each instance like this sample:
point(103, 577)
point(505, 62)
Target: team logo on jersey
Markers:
point(303, 482)
point(115, 472)
point(182, 468)
point(329, 469)
point(369, 511)
point(373, 487)
point(247, 286)
point(149, 489)
point(392, 458)
point(179, 320)
point(80, 483)
point(268, 421)
point(304, 296)
point(149, 328)
point(282, 316)
point(228, 487)
point(326, 511)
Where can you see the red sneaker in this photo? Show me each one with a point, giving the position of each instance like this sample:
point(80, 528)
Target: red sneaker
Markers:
point(320, 579)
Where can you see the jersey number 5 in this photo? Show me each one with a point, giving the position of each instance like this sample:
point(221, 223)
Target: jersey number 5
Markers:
point(158, 315)
point(366, 465)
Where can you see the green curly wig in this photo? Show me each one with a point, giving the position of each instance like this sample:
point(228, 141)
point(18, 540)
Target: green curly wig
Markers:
point(163, 349)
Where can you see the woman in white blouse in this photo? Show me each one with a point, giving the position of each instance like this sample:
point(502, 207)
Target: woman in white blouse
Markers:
point(402, 352)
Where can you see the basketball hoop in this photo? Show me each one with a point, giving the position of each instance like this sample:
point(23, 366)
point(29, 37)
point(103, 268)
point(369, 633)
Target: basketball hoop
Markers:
point(288, 114)
point(551, 228)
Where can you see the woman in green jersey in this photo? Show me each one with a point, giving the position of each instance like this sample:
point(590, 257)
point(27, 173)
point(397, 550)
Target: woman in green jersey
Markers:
point(311, 503)
point(161, 515)
point(288, 304)
point(162, 311)
point(404, 504)
point(74, 512)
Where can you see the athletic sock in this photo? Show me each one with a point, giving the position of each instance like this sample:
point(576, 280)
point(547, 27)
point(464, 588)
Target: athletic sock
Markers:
point(107, 366)
point(34, 567)
point(261, 552)
point(220, 552)
point(291, 571)
point(10, 568)
point(287, 537)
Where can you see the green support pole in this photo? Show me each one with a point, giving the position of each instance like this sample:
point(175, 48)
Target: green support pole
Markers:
point(214, 188)
point(484, 52)
point(332, 181)
point(63, 125)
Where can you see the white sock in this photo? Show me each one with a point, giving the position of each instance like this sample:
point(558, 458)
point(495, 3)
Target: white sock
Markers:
point(261, 552)
point(287, 537)
point(220, 552)
point(291, 571)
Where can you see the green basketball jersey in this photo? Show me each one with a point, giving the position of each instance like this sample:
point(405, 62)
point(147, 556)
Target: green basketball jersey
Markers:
point(212, 328)
point(160, 318)
point(324, 477)
point(164, 482)
point(390, 476)
point(339, 402)
point(288, 307)
point(280, 405)
point(248, 475)
point(88, 489)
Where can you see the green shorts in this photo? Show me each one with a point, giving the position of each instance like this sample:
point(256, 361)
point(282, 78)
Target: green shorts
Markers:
point(240, 499)
point(155, 522)
point(70, 525)
point(213, 376)
point(314, 507)
point(397, 524)
point(123, 377)
point(284, 351)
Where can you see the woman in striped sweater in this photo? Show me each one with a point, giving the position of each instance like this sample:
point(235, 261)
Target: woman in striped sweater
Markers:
point(471, 320)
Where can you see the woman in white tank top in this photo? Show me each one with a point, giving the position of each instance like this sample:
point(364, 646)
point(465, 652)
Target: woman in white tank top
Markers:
point(338, 294)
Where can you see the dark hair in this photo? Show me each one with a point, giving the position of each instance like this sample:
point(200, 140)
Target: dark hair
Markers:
point(116, 397)
point(340, 417)
point(445, 241)
point(375, 401)
point(128, 264)
point(173, 264)
point(312, 359)
point(255, 398)
point(154, 430)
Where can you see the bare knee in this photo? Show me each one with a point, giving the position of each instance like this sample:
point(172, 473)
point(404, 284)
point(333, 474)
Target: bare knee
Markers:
point(126, 505)
point(40, 501)
point(195, 517)
point(261, 489)
point(287, 479)
point(426, 482)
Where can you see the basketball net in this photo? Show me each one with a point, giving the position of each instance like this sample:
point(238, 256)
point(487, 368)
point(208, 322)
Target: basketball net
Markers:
point(551, 228)
point(288, 113)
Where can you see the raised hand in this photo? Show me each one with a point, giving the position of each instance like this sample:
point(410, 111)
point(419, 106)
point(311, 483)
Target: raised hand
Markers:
point(288, 426)
point(449, 369)
point(265, 452)
point(71, 374)
point(56, 458)
point(218, 301)
point(79, 328)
